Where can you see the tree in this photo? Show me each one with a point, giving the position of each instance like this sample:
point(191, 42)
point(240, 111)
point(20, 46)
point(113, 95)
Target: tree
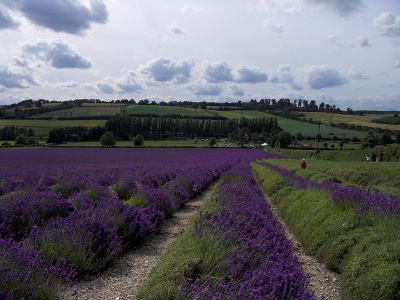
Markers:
point(107, 139)
point(138, 140)
point(20, 140)
point(341, 145)
point(284, 138)
point(212, 142)
point(31, 140)
point(325, 144)
point(299, 136)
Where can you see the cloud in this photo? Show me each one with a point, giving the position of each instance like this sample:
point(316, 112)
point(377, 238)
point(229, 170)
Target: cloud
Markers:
point(236, 90)
point(219, 72)
point(128, 83)
point(340, 7)
point(250, 75)
point(284, 76)
point(6, 22)
point(323, 76)
point(271, 25)
point(105, 88)
point(388, 24)
point(203, 89)
point(10, 80)
point(279, 6)
point(68, 16)
point(362, 42)
point(57, 53)
point(165, 70)
point(357, 75)
point(188, 9)
point(397, 63)
point(173, 28)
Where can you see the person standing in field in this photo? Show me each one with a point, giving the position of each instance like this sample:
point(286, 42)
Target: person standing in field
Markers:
point(373, 156)
point(303, 164)
point(380, 156)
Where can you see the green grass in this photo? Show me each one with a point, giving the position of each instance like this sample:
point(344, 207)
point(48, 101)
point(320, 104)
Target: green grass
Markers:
point(384, 176)
point(328, 118)
point(364, 250)
point(390, 153)
point(168, 110)
point(93, 110)
point(43, 127)
point(188, 254)
point(293, 126)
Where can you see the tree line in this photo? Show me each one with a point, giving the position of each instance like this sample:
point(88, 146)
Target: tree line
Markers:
point(125, 128)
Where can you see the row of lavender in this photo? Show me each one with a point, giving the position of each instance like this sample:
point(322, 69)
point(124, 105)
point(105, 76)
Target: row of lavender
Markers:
point(60, 222)
point(260, 263)
point(365, 200)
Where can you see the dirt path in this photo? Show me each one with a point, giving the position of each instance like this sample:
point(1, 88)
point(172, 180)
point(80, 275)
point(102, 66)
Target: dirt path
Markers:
point(323, 282)
point(123, 279)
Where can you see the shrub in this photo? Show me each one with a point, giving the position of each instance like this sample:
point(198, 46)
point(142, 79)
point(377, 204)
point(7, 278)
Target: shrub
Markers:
point(138, 140)
point(107, 139)
point(20, 140)
point(31, 141)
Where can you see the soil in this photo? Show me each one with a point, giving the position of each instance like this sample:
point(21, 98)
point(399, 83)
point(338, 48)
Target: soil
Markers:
point(124, 278)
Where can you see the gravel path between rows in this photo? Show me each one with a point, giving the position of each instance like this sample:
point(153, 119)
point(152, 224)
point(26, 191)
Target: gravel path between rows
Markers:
point(124, 278)
point(324, 284)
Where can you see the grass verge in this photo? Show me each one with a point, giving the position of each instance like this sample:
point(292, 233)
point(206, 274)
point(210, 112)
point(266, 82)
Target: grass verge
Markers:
point(187, 255)
point(363, 249)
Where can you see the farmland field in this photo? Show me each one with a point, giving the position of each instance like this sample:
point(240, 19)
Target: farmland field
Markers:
point(168, 110)
point(293, 126)
point(43, 127)
point(345, 214)
point(66, 213)
point(328, 118)
point(86, 110)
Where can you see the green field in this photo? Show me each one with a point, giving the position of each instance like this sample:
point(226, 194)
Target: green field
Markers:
point(384, 176)
point(293, 126)
point(43, 127)
point(86, 110)
point(390, 153)
point(328, 118)
point(168, 110)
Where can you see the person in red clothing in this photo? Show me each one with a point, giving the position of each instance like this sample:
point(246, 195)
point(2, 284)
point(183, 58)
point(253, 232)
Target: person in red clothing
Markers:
point(303, 164)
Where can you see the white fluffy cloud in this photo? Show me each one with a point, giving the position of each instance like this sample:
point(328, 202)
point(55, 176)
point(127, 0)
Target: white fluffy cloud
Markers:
point(284, 76)
point(166, 70)
point(219, 72)
point(10, 79)
point(70, 16)
point(388, 24)
point(57, 53)
point(356, 74)
point(175, 29)
point(340, 7)
point(6, 22)
point(323, 76)
point(126, 84)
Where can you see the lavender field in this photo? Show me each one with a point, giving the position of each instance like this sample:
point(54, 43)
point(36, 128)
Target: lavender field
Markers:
point(65, 213)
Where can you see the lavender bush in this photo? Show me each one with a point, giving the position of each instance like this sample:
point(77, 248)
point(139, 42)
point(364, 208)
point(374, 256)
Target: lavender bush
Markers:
point(69, 208)
point(260, 263)
point(364, 200)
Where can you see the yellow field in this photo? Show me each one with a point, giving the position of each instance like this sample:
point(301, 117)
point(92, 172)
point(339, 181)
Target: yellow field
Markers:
point(328, 118)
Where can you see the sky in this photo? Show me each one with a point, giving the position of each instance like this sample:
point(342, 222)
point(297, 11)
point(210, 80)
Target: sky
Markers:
point(342, 52)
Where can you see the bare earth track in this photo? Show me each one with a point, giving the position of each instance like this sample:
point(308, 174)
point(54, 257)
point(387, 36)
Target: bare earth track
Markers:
point(324, 284)
point(123, 279)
